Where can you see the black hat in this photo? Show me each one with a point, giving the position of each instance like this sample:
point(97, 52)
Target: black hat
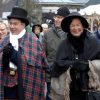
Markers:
point(63, 11)
point(19, 13)
point(67, 20)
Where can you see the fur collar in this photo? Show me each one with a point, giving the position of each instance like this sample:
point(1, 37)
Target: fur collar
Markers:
point(60, 86)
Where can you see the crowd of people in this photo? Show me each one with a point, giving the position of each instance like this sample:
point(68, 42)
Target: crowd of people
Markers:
point(34, 59)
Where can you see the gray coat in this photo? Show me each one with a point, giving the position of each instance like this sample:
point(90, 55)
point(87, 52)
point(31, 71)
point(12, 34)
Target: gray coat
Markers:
point(51, 42)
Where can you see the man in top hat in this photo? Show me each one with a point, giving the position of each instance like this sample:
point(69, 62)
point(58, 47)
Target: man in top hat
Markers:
point(22, 60)
point(53, 38)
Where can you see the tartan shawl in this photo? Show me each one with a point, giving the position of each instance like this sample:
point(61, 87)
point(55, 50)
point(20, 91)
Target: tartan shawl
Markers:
point(33, 66)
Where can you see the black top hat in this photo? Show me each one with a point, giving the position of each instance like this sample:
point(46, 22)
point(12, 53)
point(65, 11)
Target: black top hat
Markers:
point(19, 13)
point(67, 20)
point(63, 11)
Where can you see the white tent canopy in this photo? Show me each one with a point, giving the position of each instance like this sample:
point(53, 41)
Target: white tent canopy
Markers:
point(90, 10)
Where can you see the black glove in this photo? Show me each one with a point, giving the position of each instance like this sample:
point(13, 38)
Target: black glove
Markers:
point(14, 57)
point(8, 50)
point(80, 65)
point(9, 54)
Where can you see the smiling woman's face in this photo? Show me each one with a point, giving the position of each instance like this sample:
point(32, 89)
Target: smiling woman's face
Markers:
point(76, 27)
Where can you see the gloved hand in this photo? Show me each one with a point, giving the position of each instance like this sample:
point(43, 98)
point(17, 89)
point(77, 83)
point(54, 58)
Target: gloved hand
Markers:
point(8, 50)
point(7, 53)
point(80, 65)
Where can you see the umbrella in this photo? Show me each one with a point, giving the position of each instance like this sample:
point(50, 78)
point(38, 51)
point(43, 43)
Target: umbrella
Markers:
point(90, 10)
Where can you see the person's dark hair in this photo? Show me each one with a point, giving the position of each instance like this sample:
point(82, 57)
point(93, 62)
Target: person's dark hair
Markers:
point(37, 25)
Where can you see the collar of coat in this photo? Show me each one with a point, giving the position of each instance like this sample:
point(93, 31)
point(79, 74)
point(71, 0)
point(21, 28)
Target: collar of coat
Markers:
point(31, 47)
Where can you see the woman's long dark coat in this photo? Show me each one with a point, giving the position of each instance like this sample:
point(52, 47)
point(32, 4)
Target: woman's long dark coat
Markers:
point(87, 48)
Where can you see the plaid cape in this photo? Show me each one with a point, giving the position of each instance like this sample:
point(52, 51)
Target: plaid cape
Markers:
point(33, 64)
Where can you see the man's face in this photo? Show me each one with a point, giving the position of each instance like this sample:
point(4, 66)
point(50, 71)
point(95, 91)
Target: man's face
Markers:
point(16, 26)
point(57, 20)
point(3, 30)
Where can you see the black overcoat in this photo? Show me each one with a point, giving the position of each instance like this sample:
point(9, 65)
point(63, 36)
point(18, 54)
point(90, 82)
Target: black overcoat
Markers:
point(86, 48)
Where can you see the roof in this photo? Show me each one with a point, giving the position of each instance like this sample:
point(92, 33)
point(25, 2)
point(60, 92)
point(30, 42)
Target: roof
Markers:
point(90, 10)
point(62, 1)
point(80, 1)
point(69, 1)
point(92, 2)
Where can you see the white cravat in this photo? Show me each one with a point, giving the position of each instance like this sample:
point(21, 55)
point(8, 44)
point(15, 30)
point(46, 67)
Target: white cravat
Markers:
point(14, 42)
